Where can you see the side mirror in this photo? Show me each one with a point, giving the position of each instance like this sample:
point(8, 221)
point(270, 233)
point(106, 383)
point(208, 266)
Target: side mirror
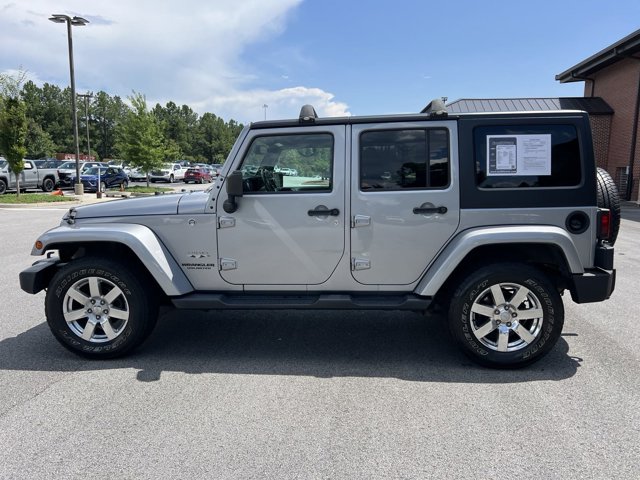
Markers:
point(234, 188)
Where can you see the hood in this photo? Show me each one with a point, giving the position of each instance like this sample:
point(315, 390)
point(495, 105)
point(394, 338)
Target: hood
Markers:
point(127, 207)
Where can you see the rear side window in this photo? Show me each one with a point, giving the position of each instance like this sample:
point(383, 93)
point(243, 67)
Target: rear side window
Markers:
point(404, 159)
point(527, 156)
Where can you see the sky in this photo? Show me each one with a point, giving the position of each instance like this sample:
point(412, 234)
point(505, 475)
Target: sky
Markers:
point(345, 57)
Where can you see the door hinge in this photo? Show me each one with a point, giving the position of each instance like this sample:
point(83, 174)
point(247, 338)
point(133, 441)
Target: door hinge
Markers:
point(226, 222)
point(360, 264)
point(227, 264)
point(360, 221)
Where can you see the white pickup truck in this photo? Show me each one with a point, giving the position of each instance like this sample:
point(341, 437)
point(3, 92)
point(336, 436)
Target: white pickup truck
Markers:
point(31, 177)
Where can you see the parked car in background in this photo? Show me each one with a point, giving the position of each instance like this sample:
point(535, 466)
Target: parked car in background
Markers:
point(170, 172)
point(68, 170)
point(292, 172)
point(198, 175)
point(31, 177)
point(136, 175)
point(49, 163)
point(102, 177)
point(216, 168)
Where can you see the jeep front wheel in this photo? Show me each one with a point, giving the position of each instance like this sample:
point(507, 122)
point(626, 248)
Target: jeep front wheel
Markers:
point(506, 315)
point(98, 308)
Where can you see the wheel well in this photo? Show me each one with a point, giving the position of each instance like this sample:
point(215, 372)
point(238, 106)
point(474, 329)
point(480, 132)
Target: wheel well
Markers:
point(112, 250)
point(545, 257)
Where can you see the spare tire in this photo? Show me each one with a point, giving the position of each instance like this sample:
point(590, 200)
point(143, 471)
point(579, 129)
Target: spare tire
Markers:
point(608, 197)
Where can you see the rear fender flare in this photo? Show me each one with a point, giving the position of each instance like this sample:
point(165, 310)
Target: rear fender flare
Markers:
point(464, 243)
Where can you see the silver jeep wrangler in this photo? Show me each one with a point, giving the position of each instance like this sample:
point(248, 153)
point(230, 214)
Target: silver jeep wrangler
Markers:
point(489, 217)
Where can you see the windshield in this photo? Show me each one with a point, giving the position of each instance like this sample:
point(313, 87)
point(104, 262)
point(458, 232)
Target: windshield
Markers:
point(3, 163)
point(68, 165)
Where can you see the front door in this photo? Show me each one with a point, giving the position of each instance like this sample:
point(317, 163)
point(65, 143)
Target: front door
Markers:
point(288, 228)
point(404, 201)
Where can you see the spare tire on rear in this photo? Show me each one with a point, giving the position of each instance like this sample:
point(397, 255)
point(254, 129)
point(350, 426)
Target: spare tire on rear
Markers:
point(608, 197)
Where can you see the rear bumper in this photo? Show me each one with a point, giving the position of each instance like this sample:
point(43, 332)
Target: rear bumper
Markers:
point(594, 285)
point(37, 277)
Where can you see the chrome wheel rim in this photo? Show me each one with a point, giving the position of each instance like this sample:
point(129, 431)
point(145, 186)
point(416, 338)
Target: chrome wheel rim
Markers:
point(506, 317)
point(95, 309)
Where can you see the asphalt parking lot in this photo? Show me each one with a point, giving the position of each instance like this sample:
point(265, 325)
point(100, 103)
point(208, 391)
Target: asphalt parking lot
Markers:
point(287, 394)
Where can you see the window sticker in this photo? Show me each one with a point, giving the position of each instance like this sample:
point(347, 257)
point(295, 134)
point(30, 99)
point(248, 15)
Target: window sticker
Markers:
point(519, 154)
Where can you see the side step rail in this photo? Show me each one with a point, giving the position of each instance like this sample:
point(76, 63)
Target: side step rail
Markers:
point(324, 301)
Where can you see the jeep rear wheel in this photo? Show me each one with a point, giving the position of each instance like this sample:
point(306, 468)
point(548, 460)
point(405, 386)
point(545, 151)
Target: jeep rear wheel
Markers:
point(98, 308)
point(506, 315)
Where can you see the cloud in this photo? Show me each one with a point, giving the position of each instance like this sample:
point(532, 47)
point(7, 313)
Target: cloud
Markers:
point(284, 103)
point(188, 52)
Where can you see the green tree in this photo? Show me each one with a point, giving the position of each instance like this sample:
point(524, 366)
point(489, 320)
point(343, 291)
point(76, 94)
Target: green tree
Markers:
point(106, 114)
point(140, 139)
point(13, 134)
point(38, 142)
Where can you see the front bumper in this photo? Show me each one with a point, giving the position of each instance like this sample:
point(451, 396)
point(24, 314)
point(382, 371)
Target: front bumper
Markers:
point(37, 276)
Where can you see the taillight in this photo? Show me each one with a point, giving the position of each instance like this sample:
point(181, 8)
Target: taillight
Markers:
point(604, 224)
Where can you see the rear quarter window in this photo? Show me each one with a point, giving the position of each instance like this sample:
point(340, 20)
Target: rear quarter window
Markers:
point(527, 156)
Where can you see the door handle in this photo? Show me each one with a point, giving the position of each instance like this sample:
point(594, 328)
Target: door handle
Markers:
point(334, 212)
point(425, 211)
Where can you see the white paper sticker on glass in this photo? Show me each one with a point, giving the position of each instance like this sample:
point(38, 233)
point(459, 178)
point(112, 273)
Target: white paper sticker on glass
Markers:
point(519, 154)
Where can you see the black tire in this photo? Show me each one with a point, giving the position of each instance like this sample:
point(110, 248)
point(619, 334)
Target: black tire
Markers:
point(486, 329)
point(608, 197)
point(48, 184)
point(125, 184)
point(3, 187)
point(171, 178)
point(112, 336)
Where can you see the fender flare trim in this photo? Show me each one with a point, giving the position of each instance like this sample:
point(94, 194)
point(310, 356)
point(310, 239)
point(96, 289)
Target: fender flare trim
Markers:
point(457, 250)
point(151, 252)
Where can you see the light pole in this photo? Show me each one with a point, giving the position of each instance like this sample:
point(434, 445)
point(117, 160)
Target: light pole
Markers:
point(76, 22)
point(265, 106)
point(86, 97)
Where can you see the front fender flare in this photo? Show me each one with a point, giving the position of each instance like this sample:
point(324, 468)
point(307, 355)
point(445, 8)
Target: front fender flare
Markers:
point(456, 251)
point(140, 239)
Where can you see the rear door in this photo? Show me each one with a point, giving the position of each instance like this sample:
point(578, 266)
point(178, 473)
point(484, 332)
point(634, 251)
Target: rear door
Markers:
point(405, 201)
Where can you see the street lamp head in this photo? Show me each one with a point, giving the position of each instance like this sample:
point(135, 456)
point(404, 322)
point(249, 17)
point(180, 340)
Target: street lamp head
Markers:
point(79, 21)
point(59, 18)
point(75, 21)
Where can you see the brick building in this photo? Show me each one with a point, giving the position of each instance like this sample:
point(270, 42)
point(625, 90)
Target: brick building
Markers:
point(613, 74)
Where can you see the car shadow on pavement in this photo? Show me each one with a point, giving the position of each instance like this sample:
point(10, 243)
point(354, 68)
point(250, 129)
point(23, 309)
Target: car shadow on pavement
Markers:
point(322, 344)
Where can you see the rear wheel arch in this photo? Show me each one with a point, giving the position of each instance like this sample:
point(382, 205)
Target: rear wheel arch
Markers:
point(547, 258)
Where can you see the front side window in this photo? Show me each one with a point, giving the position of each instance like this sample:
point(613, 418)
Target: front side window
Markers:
point(404, 159)
point(289, 163)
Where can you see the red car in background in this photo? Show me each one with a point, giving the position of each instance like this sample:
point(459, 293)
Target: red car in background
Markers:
point(198, 175)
